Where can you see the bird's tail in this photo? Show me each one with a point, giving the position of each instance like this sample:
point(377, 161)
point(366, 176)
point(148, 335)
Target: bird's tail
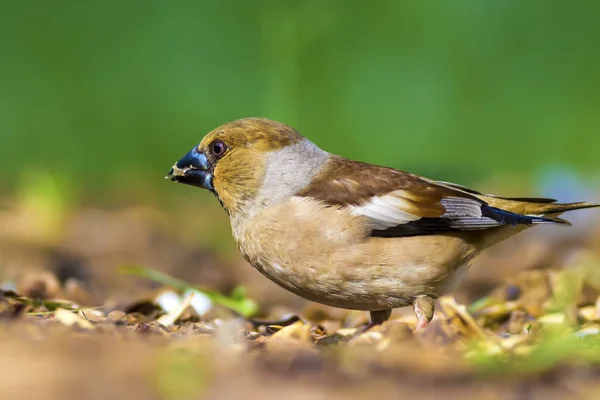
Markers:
point(553, 210)
point(543, 208)
point(546, 208)
point(541, 211)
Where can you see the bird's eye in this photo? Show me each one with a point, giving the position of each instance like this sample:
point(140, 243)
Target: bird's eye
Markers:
point(218, 148)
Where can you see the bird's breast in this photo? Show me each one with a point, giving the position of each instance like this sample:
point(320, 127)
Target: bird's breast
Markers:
point(326, 255)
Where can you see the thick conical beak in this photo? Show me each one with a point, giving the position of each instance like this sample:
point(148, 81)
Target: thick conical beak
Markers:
point(193, 169)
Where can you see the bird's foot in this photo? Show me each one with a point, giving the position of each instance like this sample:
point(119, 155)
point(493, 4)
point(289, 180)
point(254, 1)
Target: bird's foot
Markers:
point(377, 318)
point(367, 327)
point(422, 323)
point(424, 307)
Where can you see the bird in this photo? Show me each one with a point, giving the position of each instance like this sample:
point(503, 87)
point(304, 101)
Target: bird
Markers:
point(346, 233)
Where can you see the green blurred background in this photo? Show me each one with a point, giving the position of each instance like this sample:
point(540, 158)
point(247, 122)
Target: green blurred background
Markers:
point(116, 91)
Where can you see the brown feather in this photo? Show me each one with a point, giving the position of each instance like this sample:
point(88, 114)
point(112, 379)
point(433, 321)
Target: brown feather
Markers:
point(260, 133)
point(344, 182)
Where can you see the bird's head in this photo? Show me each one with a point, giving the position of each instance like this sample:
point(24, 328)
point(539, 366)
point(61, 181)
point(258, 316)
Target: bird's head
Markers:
point(250, 163)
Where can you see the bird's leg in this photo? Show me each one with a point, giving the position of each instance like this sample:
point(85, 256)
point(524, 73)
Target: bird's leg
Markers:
point(423, 306)
point(377, 318)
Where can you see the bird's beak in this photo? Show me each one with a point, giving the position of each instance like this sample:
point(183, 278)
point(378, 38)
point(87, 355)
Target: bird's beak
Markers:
point(193, 169)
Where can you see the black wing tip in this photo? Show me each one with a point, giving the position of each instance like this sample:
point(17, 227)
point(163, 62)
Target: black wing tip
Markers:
point(539, 200)
point(504, 217)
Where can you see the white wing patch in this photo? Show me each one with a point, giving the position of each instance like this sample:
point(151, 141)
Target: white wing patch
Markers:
point(385, 211)
point(389, 211)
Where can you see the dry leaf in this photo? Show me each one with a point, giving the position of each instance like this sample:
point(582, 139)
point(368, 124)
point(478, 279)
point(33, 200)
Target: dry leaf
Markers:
point(170, 318)
point(69, 318)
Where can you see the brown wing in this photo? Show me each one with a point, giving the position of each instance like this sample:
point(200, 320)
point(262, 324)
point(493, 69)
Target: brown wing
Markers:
point(401, 204)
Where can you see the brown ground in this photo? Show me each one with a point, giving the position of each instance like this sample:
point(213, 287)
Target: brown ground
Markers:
point(535, 334)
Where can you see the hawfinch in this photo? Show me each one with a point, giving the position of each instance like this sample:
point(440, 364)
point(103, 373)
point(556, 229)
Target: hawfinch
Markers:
point(345, 233)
